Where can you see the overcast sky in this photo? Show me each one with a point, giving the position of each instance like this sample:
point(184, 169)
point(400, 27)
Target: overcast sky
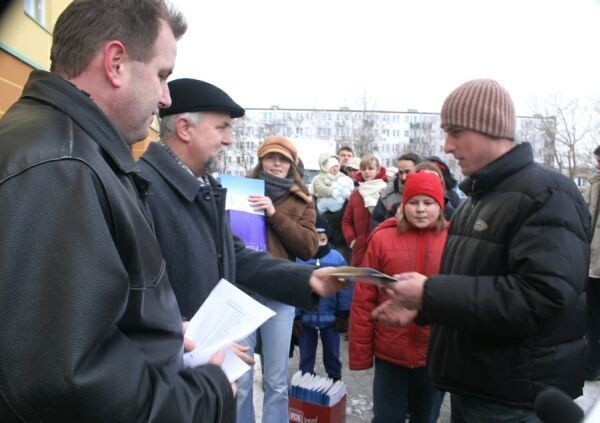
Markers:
point(397, 54)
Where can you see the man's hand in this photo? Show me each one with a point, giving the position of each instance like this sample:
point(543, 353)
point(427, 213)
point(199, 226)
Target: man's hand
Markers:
point(188, 344)
point(217, 360)
point(408, 291)
point(241, 350)
point(324, 284)
point(392, 313)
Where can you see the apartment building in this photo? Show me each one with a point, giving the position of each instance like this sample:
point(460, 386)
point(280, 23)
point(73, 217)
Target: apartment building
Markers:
point(385, 134)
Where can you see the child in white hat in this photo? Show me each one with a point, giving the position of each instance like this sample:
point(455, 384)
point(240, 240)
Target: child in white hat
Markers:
point(331, 187)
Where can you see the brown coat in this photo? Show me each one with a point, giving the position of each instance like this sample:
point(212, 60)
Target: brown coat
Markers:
point(291, 230)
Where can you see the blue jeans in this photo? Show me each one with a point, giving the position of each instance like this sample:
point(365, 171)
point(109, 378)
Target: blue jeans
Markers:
point(307, 342)
point(275, 334)
point(400, 390)
point(467, 409)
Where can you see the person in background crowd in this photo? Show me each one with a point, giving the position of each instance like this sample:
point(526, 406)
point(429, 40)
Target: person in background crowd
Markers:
point(391, 172)
point(331, 186)
point(321, 186)
point(90, 328)
point(391, 195)
point(188, 207)
point(356, 221)
point(353, 169)
point(345, 153)
point(413, 242)
point(331, 317)
point(290, 215)
point(507, 309)
point(591, 196)
point(450, 184)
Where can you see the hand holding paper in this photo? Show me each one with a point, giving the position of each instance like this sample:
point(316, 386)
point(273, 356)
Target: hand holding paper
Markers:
point(324, 282)
point(228, 314)
point(409, 289)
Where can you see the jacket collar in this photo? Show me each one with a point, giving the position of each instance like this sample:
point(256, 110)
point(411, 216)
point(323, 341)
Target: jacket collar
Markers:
point(55, 91)
point(297, 191)
point(172, 172)
point(487, 178)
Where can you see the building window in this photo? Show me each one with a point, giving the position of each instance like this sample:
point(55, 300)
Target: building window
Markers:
point(36, 9)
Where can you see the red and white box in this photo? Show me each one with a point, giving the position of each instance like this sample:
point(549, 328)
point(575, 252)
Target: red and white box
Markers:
point(300, 411)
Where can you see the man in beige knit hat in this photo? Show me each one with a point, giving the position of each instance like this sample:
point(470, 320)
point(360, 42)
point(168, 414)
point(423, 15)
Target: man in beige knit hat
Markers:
point(507, 306)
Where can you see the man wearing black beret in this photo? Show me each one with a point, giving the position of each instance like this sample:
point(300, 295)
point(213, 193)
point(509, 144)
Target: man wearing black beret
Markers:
point(194, 95)
point(188, 208)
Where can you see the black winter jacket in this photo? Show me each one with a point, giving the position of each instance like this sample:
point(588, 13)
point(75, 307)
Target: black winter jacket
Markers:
point(507, 306)
point(198, 244)
point(89, 326)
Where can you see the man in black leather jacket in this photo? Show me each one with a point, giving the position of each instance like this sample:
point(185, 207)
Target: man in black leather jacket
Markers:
point(90, 329)
point(507, 307)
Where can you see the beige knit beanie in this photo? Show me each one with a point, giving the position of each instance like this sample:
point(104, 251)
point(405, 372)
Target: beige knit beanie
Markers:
point(481, 105)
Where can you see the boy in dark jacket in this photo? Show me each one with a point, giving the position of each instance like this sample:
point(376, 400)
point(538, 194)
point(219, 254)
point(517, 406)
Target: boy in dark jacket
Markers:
point(330, 318)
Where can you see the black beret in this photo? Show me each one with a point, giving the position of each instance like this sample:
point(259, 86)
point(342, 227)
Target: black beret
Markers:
point(193, 95)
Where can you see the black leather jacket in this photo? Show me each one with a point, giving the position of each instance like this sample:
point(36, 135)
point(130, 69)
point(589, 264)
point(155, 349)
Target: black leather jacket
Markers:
point(89, 326)
point(508, 305)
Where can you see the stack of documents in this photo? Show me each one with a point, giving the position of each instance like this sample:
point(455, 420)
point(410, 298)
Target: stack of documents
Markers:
point(316, 389)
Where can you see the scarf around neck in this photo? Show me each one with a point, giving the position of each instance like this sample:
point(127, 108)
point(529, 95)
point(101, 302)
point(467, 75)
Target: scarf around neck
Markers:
point(370, 190)
point(275, 187)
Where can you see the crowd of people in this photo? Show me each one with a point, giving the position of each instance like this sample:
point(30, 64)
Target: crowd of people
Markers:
point(103, 259)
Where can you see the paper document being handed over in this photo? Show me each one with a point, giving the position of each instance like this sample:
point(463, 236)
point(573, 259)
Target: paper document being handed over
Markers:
point(362, 274)
point(227, 315)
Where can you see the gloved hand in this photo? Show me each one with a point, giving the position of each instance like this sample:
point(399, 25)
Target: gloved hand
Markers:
point(297, 328)
point(336, 193)
point(341, 324)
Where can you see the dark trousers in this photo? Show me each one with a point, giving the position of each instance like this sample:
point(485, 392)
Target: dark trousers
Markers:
point(330, 338)
point(592, 350)
point(467, 409)
point(399, 390)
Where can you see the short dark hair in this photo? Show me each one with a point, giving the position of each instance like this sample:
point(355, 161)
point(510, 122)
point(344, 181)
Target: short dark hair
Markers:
point(85, 24)
point(345, 148)
point(597, 151)
point(413, 157)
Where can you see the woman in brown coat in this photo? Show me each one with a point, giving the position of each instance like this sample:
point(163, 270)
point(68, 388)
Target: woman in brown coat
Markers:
point(291, 233)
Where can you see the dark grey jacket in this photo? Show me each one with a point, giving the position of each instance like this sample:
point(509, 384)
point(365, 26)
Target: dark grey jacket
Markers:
point(89, 326)
point(508, 305)
point(197, 243)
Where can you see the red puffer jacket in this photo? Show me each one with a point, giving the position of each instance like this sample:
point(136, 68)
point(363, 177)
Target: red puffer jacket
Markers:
point(392, 252)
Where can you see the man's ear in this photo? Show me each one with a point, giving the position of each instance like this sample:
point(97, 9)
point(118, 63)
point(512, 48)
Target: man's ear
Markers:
point(115, 58)
point(182, 129)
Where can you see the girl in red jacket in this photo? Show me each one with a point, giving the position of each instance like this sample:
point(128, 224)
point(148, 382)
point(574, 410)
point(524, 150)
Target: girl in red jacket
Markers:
point(414, 242)
point(356, 221)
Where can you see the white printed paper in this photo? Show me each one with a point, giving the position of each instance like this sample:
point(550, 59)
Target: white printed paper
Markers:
point(227, 315)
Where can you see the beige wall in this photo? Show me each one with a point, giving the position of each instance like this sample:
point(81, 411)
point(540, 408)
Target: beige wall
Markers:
point(22, 34)
point(24, 46)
